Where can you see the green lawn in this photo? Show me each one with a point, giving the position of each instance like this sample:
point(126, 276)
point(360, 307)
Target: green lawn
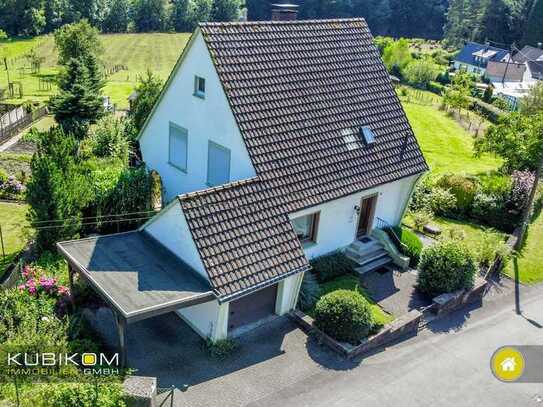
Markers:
point(473, 232)
point(352, 282)
point(445, 144)
point(14, 231)
point(529, 263)
point(138, 52)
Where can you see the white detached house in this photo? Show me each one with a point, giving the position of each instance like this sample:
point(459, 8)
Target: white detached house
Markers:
point(277, 142)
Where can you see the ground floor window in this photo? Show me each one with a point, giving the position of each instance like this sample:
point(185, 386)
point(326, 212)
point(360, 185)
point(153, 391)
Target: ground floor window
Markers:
point(306, 227)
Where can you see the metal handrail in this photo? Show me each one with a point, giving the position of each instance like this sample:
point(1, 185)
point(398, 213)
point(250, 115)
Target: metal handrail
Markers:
point(389, 229)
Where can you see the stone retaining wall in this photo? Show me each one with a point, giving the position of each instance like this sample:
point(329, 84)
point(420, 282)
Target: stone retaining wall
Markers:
point(449, 302)
point(407, 324)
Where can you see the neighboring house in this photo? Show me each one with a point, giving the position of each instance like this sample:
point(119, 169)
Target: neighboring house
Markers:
point(474, 57)
point(528, 53)
point(277, 142)
point(513, 80)
point(497, 71)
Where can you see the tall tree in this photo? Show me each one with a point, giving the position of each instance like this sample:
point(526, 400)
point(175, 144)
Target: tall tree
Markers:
point(494, 23)
point(151, 15)
point(77, 40)
point(179, 17)
point(79, 102)
point(148, 89)
point(533, 30)
point(117, 17)
point(226, 10)
point(53, 11)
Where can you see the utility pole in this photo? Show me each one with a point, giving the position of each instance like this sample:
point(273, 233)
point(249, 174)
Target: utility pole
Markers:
point(528, 209)
point(507, 63)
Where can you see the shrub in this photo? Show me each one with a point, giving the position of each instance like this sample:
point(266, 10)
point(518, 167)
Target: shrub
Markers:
point(435, 87)
point(344, 315)
point(442, 201)
point(420, 72)
point(445, 267)
point(488, 247)
point(108, 139)
point(490, 210)
point(490, 112)
point(413, 245)
point(522, 182)
point(309, 292)
point(420, 201)
point(463, 189)
point(3, 176)
point(221, 349)
point(331, 266)
point(80, 395)
point(421, 219)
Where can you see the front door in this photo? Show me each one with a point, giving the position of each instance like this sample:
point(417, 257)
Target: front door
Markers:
point(365, 220)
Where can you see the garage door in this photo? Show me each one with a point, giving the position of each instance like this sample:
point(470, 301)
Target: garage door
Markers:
point(252, 308)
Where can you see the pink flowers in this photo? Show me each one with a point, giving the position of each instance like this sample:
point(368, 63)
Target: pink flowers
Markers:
point(37, 283)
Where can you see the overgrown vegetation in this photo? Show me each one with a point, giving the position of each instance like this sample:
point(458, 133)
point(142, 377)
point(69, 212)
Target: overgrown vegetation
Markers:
point(413, 245)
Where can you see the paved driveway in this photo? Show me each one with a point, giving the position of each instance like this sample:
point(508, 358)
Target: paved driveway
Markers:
point(278, 365)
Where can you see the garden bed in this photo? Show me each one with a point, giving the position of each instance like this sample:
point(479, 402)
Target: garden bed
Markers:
point(404, 326)
point(352, 282)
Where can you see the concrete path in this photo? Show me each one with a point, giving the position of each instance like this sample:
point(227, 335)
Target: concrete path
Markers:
point(394, 291)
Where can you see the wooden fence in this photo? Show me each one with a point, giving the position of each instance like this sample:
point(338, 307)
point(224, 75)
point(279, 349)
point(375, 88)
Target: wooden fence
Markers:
point(22, 120)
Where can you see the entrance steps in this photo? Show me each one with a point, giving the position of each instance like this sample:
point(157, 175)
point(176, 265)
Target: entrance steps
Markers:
point(369, 254)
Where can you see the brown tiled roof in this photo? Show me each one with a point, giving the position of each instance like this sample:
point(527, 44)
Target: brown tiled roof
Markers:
point(299, 91)
point(509, 72)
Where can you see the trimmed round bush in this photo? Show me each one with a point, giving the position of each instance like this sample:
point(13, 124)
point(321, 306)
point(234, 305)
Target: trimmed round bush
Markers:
point(412, 242)
point(344, 315)
point(445, 267)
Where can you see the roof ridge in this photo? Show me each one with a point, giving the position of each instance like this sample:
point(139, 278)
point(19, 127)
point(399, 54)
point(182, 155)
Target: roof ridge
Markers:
point(281, 22)
point(210, 190)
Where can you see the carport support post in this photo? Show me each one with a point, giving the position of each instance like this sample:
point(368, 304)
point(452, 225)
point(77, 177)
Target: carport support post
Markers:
point(71, 281)
point(121, 330)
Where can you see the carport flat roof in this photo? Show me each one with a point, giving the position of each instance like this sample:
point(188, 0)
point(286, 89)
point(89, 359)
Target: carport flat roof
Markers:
point(138, 276)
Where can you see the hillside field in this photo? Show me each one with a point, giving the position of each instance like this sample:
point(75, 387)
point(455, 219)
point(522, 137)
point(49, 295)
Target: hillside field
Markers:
point(137, 52)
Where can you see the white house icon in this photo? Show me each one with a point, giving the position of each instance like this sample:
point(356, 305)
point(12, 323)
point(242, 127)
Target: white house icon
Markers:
point(508, 364)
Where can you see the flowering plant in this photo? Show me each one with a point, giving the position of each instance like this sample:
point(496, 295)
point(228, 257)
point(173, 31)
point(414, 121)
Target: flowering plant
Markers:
point(11, 186)
point(37, 284)
point(520, 191)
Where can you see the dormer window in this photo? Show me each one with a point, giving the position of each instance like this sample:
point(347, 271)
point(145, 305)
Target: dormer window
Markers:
point(367, 135)
point(199, 87)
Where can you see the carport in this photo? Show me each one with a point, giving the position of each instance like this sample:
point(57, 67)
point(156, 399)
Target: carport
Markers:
point(137, 276)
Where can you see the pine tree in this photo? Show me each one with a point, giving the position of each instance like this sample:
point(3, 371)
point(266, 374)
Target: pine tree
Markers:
point(179, 17)
point(79, 102)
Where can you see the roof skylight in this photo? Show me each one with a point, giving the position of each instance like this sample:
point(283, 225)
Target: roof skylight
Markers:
point(367, 135)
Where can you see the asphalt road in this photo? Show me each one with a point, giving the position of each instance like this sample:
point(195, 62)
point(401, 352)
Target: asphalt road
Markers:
point(446, 365)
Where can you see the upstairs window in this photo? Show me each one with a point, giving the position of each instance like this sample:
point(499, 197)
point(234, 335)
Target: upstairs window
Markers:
point(306, 227)
point(199, 87)
point(178, 147)
point(218, 164)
